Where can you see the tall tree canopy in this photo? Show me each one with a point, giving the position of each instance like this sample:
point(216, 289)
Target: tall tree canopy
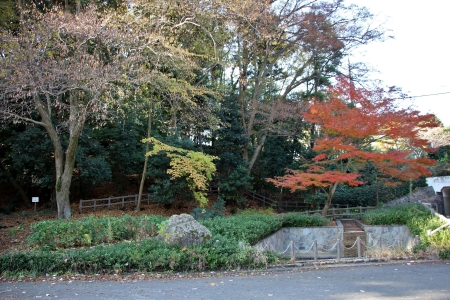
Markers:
point(280, 46)
point(62, 69)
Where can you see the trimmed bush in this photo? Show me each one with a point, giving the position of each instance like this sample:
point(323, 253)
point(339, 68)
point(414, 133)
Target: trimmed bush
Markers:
point(302, 220)
point(228, 249)
point(91, 231)
point(419, 221)
point(148, 255)
point(248, 228)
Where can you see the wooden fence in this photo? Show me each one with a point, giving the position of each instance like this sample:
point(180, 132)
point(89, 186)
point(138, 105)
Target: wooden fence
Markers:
point(108, 202)
point(347, 212)
point(333, 212)
point(281, 204)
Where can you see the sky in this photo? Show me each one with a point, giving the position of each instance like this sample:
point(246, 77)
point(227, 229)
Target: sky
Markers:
point(417, 58)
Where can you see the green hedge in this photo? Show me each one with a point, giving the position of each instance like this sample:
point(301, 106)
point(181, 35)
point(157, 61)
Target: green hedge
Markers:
point(50, 240)
point(92, 231)
point(147, 255)
point(419, 221)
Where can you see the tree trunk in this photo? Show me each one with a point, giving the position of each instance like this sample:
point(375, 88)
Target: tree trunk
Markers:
point(327, 205)
point(332, 190)
point(63, 163)
point(62, 196)
point(144, 171)
point(257, 151)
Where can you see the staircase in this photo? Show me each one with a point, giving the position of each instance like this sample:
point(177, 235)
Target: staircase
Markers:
point(351, 231)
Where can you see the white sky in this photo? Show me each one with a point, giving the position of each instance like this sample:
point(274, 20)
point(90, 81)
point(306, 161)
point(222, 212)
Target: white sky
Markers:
point(418, 58)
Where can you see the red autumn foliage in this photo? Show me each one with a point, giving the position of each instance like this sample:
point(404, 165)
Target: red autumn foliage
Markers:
point(351, 122)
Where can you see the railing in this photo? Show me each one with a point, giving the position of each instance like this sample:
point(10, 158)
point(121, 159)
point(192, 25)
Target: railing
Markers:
point(266, 201)
point(108, 202)
point(338, 248)
point(343, 212)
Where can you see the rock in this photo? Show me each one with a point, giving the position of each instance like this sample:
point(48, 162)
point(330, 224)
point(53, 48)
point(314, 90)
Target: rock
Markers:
point(184, 230)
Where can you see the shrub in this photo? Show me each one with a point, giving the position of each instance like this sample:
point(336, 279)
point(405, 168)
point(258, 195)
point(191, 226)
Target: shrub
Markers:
point(217, 210)
point(253, 211)
point(148, 255)
point(228, 249)
point(91, 231)
point(419, 221)
point(302, 220)
point(249, 228)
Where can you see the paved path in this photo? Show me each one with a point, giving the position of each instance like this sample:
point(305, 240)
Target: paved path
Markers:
point(375, 281)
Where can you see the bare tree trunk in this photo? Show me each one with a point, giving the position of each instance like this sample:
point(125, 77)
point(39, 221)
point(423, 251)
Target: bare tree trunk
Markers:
point(327, 205)
point(63, 196)
point(257, 151)
point(332, 190)
point(63, 163)
point(144, 171)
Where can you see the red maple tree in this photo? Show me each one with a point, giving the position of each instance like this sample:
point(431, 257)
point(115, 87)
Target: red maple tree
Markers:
point(357, 126)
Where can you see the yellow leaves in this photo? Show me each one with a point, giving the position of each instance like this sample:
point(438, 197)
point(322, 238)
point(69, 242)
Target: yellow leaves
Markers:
point(196, 167)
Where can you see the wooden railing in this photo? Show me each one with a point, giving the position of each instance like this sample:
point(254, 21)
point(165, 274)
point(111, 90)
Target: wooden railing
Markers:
point(333, 212)
point(108, 202)
point(282, 204)
point(347, 212)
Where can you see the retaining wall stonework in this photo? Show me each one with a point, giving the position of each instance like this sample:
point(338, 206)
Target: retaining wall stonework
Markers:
point(303, 240)
point(391, 236)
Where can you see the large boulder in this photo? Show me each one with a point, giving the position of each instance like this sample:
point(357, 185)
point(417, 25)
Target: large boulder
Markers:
point(184, 230)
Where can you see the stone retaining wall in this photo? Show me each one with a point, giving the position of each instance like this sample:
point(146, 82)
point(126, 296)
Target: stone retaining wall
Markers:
point(327, 236)
point(391, 236)
point(303, 238)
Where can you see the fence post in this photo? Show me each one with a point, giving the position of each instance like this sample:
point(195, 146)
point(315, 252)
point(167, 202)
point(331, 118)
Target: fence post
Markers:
point(360, 212)
point(81, 207)
point(292, 251)
point(417, 240)
point(379, 242)
point(123, 202)
point(316, 254)
point(338, 250)
point(135, 199)
point(358, 243)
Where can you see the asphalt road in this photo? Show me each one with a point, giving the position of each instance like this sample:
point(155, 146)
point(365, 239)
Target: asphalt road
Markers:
point(405, 280)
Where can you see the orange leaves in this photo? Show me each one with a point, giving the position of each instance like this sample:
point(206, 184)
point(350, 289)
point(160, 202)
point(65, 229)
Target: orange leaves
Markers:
point(296, 180)
point(352, 122)
point(363, 115)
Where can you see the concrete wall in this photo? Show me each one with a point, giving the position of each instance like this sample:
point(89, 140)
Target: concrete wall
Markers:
point(391, 236)
point(303, 238)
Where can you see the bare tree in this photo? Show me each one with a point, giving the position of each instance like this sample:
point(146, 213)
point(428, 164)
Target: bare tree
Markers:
point(274, 53)
point(59, 71)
